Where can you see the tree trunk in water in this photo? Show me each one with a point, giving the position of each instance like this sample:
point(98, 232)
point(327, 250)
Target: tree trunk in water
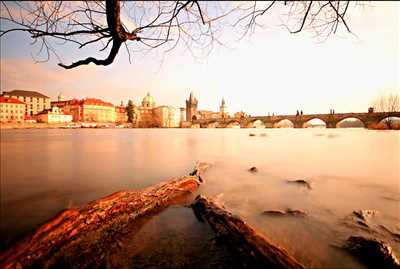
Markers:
point(93, 227)
point(254, 249)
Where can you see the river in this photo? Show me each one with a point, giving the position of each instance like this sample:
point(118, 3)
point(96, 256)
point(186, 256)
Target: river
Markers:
point(45, 171)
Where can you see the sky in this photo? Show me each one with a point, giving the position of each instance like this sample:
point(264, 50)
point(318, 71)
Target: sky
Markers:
point(271, 72)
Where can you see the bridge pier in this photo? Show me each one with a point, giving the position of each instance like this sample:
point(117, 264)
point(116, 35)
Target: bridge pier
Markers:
point(330, 124)
point(298, 124)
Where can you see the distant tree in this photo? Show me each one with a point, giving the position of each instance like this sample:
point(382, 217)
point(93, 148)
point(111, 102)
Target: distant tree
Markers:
point(147, 25)
point(130, 111)
point(387, 103)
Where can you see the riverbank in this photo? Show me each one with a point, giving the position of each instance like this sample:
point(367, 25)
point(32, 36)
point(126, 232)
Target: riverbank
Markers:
point(71, 125)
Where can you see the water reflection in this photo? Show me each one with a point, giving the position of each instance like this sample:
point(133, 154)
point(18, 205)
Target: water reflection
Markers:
point(44, 171)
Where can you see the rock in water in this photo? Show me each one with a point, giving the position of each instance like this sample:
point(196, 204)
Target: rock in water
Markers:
point(274, 212)
point(373, 252)
point(301, 182)
point(251, 134)
point(253, 169)
point(364, 214)
point(296, 212)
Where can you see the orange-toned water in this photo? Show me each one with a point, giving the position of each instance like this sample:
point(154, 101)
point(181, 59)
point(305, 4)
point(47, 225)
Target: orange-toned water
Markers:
point(44, 171)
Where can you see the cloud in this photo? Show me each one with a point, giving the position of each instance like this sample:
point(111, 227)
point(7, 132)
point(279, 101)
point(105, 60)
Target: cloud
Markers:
point(24, 74)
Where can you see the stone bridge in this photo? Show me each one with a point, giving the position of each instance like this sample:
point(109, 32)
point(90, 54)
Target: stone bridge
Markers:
point(331, 120)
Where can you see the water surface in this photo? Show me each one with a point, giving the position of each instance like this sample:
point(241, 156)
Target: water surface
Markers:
point(44, 171)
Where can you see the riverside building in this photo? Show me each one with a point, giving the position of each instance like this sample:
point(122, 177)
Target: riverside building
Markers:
point(121, 113)
point(35, 102)
point(87, 110)
point(149, 115)
point(11, 110)
point(53, 115)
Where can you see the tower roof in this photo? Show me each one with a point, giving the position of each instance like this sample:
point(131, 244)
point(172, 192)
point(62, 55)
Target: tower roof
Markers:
point(192, 99)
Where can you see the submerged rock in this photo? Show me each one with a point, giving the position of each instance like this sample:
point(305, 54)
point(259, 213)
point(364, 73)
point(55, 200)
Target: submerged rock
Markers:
point(373, 252)
point(394, 235)
point(263, 134)
point(287, 212)
point(253, 169)
point(301, 182)
point(332, 135)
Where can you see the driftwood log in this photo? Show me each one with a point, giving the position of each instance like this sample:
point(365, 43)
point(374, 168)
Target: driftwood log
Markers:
point(88, 231)
point(253, 248)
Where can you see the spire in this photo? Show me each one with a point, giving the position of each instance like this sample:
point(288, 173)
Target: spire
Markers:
point(223, 101)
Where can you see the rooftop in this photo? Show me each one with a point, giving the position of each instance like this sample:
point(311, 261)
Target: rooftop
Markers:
point(25, 93)
point(94, 101)
point(10, 100)
point(87, 101)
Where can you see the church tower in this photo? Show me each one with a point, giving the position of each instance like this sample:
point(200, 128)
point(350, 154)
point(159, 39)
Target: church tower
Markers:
point(191, 108)
point(60, 97)
point(222, 109)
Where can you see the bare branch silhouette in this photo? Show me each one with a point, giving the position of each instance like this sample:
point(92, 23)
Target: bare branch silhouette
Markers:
point(198, 25)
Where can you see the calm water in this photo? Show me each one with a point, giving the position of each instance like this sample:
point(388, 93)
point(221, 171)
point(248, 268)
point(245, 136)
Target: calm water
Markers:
point(44, 171)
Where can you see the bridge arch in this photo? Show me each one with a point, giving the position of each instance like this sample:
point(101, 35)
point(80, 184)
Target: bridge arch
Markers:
point(350, 122)
point(314, 122)
point(255, 124)
point(213, 124)
point(389, 122)
point(232, 124)
point(284, 123)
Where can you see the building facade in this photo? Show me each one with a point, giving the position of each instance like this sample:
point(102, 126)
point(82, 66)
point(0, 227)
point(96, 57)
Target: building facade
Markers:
point(96, 110)
point(121, 115)
point(35, 102)
point(87, 110)
point(167, 117)
point(72, 107)
point(147, 115)
point(53, 115)
point(11, 110)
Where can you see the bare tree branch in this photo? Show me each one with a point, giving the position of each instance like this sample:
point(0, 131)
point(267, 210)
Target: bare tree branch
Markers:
point(199, 26)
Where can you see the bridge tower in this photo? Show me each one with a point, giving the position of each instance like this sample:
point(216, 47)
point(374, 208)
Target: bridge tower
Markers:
point(191, 107)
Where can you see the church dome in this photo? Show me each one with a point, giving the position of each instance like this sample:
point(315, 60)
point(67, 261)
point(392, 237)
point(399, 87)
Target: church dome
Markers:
point(148, 101)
